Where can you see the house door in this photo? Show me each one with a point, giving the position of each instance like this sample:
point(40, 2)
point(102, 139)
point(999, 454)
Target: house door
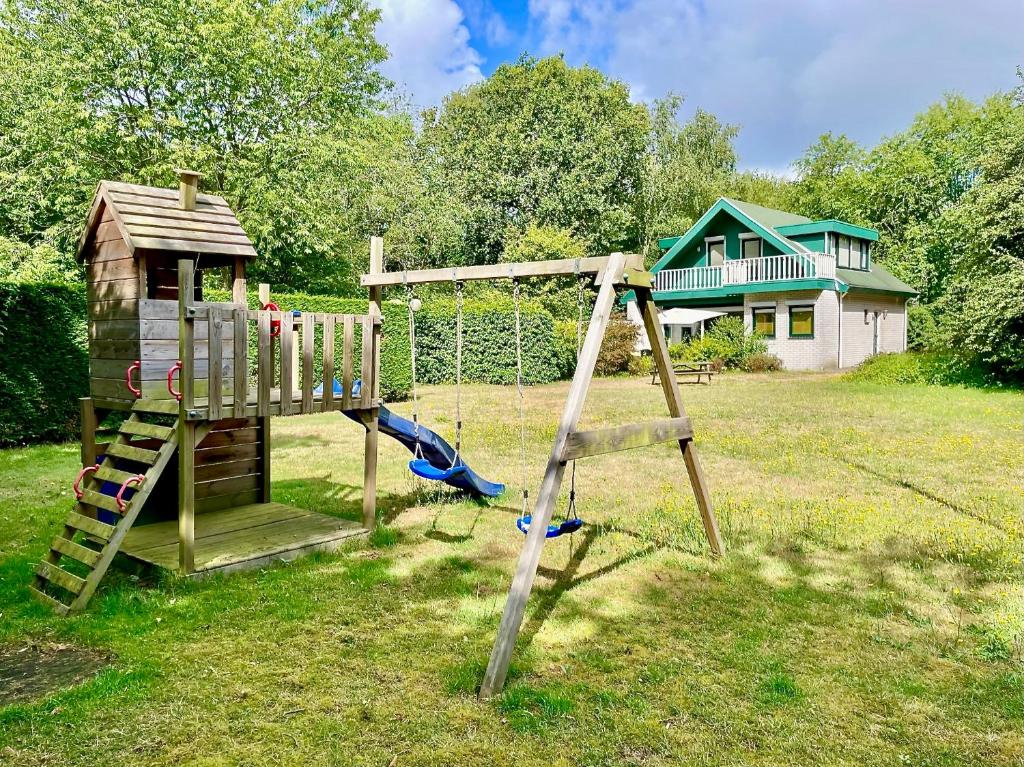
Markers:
point(874, 333)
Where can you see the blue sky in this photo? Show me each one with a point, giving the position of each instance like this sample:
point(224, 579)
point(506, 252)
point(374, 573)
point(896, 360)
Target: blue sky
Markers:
point(784, 71)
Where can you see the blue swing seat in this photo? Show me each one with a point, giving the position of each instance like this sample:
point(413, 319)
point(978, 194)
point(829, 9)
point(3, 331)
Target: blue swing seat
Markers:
point(567, 526)
point(424, 468)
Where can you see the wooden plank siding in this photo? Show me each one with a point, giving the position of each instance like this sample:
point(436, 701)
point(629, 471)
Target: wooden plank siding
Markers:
point(229, 469)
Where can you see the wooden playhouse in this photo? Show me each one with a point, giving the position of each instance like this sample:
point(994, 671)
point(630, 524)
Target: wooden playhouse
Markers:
point(185, 482)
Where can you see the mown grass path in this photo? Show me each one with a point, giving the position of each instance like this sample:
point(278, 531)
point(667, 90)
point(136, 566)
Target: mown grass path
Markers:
point(870, 609)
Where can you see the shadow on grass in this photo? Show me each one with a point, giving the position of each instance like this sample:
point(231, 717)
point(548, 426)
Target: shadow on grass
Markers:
point(925, 493)
point(439, 535)
point(340, 499)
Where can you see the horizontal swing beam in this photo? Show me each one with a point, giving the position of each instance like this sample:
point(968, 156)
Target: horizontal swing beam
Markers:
point(583, 444)
point(517, 270)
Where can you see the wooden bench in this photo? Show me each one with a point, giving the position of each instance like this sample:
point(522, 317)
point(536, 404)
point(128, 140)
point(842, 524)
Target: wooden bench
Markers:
point(694, 371)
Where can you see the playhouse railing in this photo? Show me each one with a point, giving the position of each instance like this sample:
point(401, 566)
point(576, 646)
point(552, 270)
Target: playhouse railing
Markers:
point(748, 270)
point(217, 379)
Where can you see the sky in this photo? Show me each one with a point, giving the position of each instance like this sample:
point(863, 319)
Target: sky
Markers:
point(784, 71)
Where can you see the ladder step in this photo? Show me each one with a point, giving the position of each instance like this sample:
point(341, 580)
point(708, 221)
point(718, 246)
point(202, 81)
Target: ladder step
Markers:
point(99, 500)
point(90, 526)
point(137, 454)
point(165, 406)
point(110, 474)
point(75, 551)
point(143, 429)
point(59, 607)
point(62, 578)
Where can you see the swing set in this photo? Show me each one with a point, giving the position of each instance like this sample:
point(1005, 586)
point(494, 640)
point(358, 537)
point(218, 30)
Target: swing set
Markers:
point(610, 274)
point(422, 467)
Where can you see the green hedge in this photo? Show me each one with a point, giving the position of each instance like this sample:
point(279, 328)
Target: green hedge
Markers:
point(45, 363)
point(395, 364)
point(488, 343)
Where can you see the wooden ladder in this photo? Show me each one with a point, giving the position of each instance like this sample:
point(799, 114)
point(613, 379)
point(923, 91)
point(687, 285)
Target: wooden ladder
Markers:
point(68, 576)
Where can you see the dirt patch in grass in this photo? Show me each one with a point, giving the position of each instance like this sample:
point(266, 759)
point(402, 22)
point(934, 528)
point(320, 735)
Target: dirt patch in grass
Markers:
point(33, 671)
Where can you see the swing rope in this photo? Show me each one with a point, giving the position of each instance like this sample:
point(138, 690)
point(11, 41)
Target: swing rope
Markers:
point(458, 371)
point(571, 512)
point(522, 400)
point(409, 298)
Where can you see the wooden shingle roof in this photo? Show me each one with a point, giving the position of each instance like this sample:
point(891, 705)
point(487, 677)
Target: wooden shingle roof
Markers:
point(151, 218)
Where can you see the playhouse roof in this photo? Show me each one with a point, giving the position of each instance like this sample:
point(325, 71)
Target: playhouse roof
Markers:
point(151, 218)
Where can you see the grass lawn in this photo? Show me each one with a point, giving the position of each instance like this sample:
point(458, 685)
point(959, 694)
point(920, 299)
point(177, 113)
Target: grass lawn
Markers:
point(869, 609)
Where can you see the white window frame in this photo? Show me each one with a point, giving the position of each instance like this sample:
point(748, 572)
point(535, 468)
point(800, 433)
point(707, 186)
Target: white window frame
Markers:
point(745, 237)
point(708, 242)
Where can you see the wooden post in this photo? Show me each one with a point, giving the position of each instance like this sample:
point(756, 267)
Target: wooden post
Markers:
point(238, 285)
point(529, 558)
point(370, 440)
point(670, 387)
point(264, 427)
point(186, 428)
point(264, 378)
point(89, 424)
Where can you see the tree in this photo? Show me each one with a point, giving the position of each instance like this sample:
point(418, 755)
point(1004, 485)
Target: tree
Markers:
point(916, 180)
point(829, 180)
point(42, 263)
point(271, 100)
point(689, 166)
point(762, 189)
point(539, 142)
point(984, 308)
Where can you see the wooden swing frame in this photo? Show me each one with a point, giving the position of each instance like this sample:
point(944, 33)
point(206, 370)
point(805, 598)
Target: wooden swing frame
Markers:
point(610, 274)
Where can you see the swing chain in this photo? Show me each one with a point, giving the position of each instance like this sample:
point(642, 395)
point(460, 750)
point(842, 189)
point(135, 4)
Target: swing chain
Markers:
point(519, 388)
point(458, 370)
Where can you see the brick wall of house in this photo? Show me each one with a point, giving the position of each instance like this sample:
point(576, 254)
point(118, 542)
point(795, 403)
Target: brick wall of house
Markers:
point(859, 310)
point(818, 353)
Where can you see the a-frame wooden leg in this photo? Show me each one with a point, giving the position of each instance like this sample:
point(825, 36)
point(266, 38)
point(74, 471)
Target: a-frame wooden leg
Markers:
point(529, 558)
point(670, 387)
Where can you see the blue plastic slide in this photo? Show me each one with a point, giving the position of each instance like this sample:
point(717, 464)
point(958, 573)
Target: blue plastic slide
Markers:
point(435, 450)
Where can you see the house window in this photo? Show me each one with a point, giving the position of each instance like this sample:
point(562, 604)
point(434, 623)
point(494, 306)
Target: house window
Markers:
point(716, 251)
point(843, 259)
point(865, 253)
point(801, 322)
point(750, 247)
point(764, 322)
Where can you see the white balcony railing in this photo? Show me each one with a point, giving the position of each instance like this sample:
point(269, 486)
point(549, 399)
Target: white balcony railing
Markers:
point(748, 270)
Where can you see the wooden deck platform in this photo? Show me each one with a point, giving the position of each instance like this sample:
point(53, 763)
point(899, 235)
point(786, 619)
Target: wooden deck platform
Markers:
point(242, 537)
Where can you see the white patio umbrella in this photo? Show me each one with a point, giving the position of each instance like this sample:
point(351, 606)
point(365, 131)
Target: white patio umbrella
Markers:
point(675, 316)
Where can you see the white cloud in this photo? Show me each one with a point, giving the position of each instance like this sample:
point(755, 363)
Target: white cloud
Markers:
point(787, 72)
point(429, 48)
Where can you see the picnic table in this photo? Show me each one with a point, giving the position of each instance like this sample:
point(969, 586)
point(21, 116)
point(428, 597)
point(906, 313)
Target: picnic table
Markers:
point(693, 371)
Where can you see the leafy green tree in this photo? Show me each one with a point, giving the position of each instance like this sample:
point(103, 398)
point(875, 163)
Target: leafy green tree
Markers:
point(539, 142)
point(20, 262)
point(914, 184)
point(272, 100)
point(762, 189)
point(984, 309)
point(689, 166)
point(542, 243)
point(830, 180)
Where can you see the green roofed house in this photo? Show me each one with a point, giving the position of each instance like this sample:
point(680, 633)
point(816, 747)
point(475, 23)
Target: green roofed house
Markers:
point(810, 288)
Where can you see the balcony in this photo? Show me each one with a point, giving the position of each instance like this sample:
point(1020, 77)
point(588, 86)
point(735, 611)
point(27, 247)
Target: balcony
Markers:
point(748, 271)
